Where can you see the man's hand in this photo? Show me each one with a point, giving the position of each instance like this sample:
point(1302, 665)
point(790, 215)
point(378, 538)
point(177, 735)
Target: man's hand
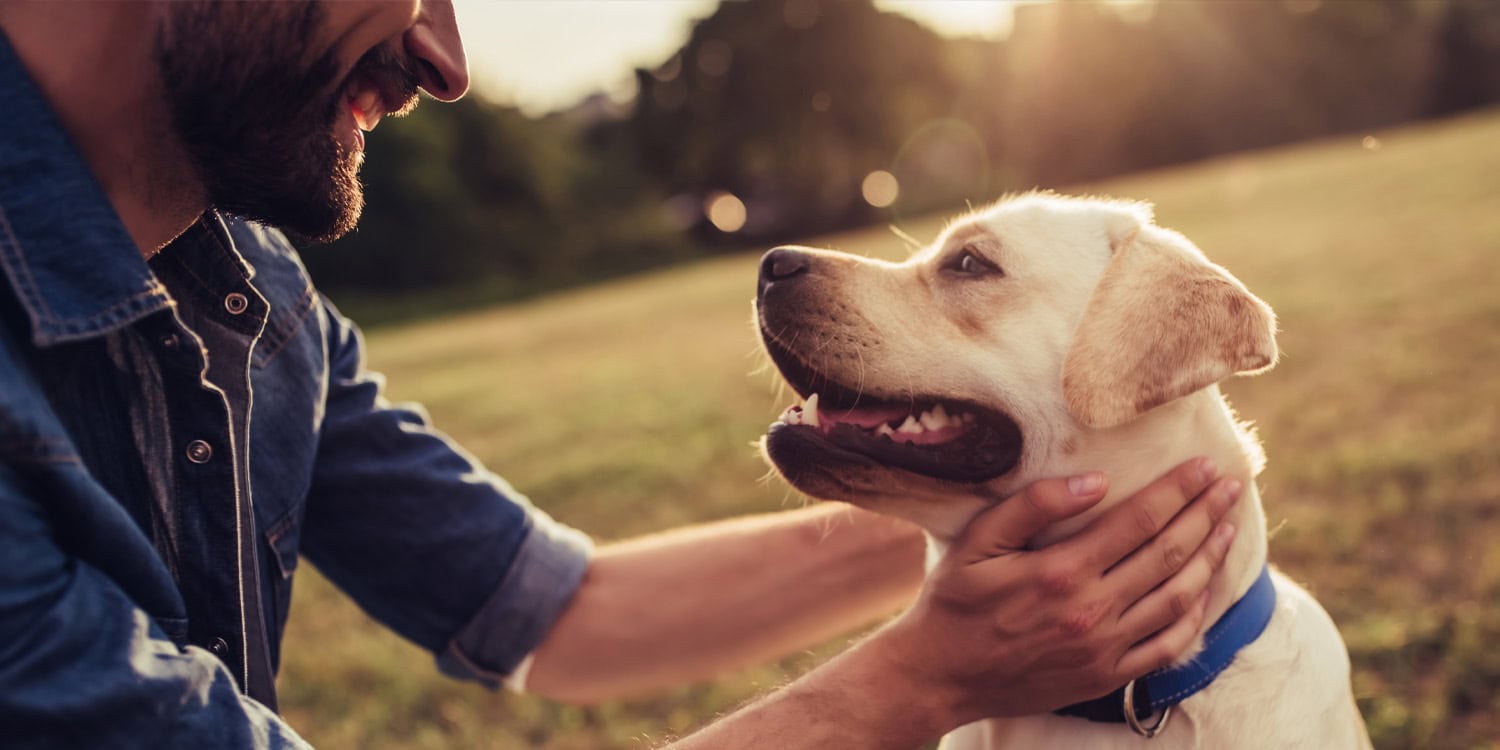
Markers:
point(1000, 631)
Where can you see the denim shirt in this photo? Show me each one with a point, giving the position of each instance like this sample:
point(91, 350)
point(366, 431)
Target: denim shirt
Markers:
point(174, 434)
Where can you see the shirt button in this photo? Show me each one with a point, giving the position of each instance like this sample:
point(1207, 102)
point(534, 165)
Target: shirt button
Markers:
point(199, 452)
point(170, 342)
point(219, 647)
point(236, 303)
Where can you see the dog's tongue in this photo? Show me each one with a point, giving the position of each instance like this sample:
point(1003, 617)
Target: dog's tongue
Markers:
point(868, 418)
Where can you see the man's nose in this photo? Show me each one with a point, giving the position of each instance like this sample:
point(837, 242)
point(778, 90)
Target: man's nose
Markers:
point(435, 42)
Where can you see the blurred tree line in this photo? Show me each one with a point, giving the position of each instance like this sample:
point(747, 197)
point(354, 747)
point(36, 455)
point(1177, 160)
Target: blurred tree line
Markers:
point(789, 105)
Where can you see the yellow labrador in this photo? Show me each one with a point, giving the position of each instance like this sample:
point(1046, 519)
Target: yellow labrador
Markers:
point(1047, 336)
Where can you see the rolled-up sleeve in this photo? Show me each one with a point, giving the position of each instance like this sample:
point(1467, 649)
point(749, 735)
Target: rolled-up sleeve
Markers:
point(426, 539)
point(540, 582)
point(82, 666)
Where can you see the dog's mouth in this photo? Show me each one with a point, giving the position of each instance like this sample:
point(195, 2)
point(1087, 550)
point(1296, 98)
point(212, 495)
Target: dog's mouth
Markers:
point(949, 439)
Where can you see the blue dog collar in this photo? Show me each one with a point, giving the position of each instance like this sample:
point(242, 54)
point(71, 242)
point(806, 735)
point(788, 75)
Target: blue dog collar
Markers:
point(1160, 690)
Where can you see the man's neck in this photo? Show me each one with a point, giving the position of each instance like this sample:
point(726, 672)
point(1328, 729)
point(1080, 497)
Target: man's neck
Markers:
point(94, 64)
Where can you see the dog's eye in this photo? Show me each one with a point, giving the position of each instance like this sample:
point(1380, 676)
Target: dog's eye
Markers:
point(970, 263)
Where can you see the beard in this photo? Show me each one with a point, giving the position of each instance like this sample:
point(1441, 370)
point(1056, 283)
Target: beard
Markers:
point(256, 112)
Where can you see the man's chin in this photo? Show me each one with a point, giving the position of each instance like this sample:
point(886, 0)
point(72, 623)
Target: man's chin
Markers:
point(337, 222)
point(322, 215)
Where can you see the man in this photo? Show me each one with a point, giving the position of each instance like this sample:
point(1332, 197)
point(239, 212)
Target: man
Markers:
point(182, 416)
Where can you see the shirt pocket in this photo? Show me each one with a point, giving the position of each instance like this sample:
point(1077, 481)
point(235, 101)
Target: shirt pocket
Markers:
point(283, 540)
point(291, 302)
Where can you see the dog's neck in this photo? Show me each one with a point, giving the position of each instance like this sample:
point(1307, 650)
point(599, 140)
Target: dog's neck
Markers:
point(1139, 452)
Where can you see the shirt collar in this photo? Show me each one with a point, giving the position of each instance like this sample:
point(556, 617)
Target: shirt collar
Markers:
point(67, 256)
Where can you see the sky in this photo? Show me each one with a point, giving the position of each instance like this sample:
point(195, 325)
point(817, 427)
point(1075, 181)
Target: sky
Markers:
point(542, 55)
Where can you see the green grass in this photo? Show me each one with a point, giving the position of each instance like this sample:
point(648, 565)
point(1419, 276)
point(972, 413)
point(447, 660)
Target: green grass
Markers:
point(630, 407)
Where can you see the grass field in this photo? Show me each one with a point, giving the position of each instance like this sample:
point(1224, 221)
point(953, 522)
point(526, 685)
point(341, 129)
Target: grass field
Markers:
point(630, 407)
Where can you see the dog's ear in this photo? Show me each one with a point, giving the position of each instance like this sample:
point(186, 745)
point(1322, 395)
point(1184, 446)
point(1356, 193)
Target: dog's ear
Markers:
point(1162, 322)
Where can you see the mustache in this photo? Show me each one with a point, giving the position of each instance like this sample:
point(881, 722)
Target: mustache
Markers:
point(394, 73)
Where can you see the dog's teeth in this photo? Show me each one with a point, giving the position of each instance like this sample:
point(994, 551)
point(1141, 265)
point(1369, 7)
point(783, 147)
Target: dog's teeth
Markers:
point(935, 419)
point(884, 429)
point(911, 426)
point(794, 416)
point(810, 411)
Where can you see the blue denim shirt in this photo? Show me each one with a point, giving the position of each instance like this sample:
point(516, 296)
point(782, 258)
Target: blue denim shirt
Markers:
point(173, 435)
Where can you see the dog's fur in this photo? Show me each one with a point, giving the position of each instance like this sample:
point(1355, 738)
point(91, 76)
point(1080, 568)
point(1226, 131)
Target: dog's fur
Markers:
point(1102, 337)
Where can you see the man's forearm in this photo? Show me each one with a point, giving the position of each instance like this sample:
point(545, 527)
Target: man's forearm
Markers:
point(858, 699)
point(668, 609)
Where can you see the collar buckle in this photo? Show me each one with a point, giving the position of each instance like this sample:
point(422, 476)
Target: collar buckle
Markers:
point(1127, 707)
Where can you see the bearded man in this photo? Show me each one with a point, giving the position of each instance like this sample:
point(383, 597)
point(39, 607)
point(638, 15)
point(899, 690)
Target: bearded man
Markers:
point(183, 417)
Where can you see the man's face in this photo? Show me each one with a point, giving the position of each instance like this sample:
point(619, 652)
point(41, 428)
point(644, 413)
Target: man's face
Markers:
point(269, 100)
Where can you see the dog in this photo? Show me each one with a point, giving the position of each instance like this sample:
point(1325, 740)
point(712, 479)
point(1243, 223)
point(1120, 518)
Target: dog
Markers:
point(1046, 336)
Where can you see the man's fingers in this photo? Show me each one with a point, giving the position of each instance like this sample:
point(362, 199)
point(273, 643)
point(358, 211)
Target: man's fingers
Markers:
point(1161, 649)
point(1174, 599)
point(1133, 522)
point(1009, 525)
point(1166, 554)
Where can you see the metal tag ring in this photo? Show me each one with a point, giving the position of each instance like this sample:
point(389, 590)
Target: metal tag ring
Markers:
point(1135, 724)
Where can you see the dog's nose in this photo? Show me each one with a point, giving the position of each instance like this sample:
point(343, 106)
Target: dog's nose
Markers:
point(780, 264)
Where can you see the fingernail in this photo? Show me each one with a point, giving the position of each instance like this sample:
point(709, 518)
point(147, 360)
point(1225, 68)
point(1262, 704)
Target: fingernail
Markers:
point(1225, 532)
point(1084, 485)
point(1206, 470)
point(1232, 489)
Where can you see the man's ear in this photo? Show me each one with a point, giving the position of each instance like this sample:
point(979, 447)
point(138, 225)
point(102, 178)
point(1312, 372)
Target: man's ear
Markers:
point(1163, 322)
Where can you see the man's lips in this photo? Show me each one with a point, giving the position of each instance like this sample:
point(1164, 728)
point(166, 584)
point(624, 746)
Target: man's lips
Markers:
point(382, 82)
point(365, 103)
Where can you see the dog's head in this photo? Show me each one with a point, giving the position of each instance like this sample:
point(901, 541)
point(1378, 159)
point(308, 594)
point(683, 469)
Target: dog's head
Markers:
point(937, 386)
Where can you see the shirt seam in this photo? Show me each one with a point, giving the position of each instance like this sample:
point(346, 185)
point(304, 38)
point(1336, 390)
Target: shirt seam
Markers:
point(16, 259)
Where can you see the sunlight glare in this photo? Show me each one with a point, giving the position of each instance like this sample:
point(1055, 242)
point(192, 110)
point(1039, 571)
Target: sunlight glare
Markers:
point(1133, 11)
point(514, 47)
point(880, 188)
point(991, 19)
point(725, 211)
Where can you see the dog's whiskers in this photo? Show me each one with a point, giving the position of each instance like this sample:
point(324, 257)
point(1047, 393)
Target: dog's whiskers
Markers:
point(859, 387)
point(912, 243)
